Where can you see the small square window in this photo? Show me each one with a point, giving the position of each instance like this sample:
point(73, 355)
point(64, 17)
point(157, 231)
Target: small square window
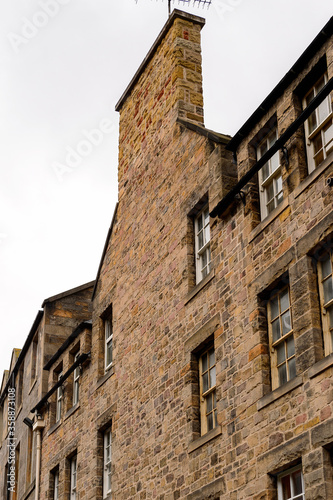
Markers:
point(270, 176)
point(325, 267)
point(207, 382)
point(319, 126)
point(290, 485)
point(202, 244)
point(281, 338)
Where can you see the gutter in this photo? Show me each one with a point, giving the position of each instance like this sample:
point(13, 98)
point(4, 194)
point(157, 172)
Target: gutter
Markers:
point(81, 359)
point(222, 206)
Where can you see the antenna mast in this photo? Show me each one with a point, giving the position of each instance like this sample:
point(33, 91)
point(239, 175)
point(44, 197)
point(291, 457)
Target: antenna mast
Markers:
point(204, 3)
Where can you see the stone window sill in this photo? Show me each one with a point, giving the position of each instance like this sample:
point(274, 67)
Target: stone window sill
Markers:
point(72, 410)
point(264, 223)
point(199, 286)
point(197, 443)
point(105, 377)
point(312, 177)
point(321, 366)
point(280, 391)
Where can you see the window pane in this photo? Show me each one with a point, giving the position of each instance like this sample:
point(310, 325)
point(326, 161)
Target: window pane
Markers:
point(204, 362)
point(292, 368)
point(317, 143)
point(109, 353)
point(326, 267)
point(282, 374)
point(200, 240)
point(284, 300)
point(211, 357)
point(328, 289)
point(275, 161)
point(286, 322)
point(312, 121)
point(281, 353)
point(199, 223)
point(270, 191)
point(297, 482)
point(286, 487)
point(210, 422)
point(323, 110)
point(212, 377)
point(274, 308)
point(290, 346)
point(209, 400)
point(205, 386)
point(265, 171)
point(276, 330)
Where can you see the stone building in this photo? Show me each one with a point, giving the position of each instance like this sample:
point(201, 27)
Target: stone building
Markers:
point(26, 382)
point(206, 372)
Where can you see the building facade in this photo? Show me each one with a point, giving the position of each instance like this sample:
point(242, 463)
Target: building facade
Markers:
point(206, 371)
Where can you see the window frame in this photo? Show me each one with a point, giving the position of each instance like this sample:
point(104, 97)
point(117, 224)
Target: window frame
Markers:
point(210, 392)
point(107, 462)
point(289, 472)
point(320, 125)
point(73, 478)
point(274, 174)
point(326, 306)
point(56, 484)
point(59, 398)
point(202, 226)
point(108, 341)
point(283, 339)
point(76, 381)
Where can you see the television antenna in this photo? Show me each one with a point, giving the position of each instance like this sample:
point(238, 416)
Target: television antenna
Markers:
point(203, 3)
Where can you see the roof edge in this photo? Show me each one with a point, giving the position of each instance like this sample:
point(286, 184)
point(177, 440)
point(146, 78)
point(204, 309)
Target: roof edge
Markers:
point(68, 292)
point(202, 130)
point(175, 14)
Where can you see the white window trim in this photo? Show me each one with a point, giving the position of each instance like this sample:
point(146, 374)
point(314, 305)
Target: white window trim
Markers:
point(300, 496)
point(202, 271)
point(107, 461)
point(274, 344)
point(73, 478)
point(273, 175)
point(108, 335)
point(204, 395)
point(320, 125)
point(76, 381)
point(325, 306)
point(59, 400)
point(56, 485)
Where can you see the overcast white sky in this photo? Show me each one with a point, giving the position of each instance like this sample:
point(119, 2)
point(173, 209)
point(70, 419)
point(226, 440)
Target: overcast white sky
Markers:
point(63, 66)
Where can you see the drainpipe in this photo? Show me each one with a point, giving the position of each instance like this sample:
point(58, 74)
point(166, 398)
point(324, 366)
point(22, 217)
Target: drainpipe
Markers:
point(38, 426)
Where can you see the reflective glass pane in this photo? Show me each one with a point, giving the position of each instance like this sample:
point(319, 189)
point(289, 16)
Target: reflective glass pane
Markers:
point(265, 171)
point(263, 149)
point(278, 184)
point(328, 289)
point(272, 138)
point(279, 198)
point(269, 191)
point(274, 308)
point(319, 158)
point(275, 161)
point(212, 377)
point(200, 240)
point(209, 400)
point(211, 357)
point(326, 267)
point(312, 122)
point(323, 110)
point(286, 322)
point(328, 137)
point(286, 487)
point(290, 346)
point(204, 259)
point(297, 482)
point(309, 97)
point(281, 353)
point(292, 368)
point(282, 374)
point(205, 386)
point(276, 330)
point(317, 143)
point(319, 85)
point(214, 399)
point(270, 206)
point(207, 234)
point(206, 216)
point(204, 362)
point(210, 422)
point(284, 300)
point(199, 223)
